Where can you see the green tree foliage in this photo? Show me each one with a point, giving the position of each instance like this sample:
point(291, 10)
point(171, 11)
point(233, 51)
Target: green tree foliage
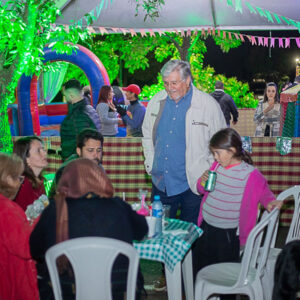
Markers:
point(150, 8)
point(118, 51)
point(204, 78)
point(25, 29)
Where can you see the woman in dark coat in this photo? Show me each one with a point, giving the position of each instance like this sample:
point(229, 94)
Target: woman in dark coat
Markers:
point(84, 206)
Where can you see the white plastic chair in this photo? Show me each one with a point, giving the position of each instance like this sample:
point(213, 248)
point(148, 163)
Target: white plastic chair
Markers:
point(294, 233)
point(244, 277)
point(92, 259)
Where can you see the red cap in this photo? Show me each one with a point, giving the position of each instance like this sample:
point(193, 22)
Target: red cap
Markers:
point(133, 88)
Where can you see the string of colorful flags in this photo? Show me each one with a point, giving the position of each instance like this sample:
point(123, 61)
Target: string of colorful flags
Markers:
point(238, 5)
point(265, 41)
point(264, 13)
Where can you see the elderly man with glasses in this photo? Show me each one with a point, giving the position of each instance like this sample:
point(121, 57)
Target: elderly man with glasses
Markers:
point(178, 125)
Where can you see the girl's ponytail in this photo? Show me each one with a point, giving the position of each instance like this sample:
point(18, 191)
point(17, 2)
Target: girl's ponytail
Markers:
point(245, 156)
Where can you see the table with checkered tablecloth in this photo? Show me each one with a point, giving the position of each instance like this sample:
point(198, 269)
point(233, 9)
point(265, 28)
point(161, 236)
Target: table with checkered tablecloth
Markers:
point(171, 245)
point(123, 162)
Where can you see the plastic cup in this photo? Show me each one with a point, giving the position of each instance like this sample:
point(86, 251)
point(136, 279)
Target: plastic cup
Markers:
point(166, 213)
point(166, 210)
point(151, 221)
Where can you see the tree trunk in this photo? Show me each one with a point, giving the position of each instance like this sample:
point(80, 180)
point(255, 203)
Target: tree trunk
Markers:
point(6, 144)
point(5, 134)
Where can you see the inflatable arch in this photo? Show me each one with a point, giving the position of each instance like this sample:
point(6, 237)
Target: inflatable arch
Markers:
point(27, 87)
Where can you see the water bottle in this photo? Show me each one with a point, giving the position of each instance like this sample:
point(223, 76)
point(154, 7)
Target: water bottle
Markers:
point(157, 211)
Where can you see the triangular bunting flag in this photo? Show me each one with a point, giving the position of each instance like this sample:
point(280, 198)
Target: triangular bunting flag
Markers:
point(252, 10)
point(277, 18)
point(142, 32)
point(272, 43)
point(287, 43)
point(238, 6)
point(236, 36)
point(124, 31)
point(151, 32)
point(133, 33)
point(253, 40)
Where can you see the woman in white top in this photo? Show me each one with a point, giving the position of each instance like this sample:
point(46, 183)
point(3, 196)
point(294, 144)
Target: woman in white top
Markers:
point(267, 115)
point(107, 112)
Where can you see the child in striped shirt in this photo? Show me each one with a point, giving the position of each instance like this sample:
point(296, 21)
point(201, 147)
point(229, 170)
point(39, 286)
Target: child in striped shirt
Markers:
point(228, 213)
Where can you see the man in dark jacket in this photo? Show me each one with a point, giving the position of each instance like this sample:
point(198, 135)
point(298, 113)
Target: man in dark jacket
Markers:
point(80, 116)
point(226, 102)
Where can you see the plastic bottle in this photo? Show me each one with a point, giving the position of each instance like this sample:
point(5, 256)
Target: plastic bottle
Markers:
point(157, 211)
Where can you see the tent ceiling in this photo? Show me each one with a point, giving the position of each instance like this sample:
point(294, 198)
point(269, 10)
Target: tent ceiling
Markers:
point(183, 14)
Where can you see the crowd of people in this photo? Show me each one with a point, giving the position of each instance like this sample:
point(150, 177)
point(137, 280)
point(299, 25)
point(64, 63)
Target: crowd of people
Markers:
point(185, 133)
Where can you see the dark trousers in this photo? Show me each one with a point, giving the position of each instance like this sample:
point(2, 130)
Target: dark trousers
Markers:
point(216, 245)
point(188, 202)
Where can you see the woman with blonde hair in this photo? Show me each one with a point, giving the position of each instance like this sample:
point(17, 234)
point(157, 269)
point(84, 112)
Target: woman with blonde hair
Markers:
point(18, 275)
point(84, 206)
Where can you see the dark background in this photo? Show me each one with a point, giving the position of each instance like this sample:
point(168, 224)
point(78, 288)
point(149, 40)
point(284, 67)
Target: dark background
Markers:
point(248, 62)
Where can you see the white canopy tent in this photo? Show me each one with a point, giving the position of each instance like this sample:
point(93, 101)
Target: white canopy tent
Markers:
point(185, 14)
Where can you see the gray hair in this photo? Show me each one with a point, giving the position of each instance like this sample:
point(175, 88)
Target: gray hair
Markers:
point(183, 67)
point(219, 85)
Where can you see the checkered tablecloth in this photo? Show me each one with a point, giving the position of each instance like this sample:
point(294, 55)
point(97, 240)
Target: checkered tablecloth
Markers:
point(124, 163)
point(169, 248)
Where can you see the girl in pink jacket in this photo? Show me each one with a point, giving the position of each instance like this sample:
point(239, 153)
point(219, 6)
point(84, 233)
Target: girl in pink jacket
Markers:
point(228, 213)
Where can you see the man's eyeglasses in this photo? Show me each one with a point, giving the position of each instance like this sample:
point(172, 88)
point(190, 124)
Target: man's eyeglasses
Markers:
point(172, 84)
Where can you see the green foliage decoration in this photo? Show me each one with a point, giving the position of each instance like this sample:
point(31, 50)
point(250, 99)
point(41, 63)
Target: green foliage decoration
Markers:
point(118, 51)
point(26, 27)
point(226, 43)
point(76, 72)
point(149, 91)
point(204, 78)
point(150, 7)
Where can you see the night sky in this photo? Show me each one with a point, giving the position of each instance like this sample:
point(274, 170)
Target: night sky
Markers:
point(247, 62)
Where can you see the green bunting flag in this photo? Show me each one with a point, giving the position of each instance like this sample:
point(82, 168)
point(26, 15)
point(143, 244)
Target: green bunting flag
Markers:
point(229, 3)
point(252, 10)
point(284, 145)
point(238, 6)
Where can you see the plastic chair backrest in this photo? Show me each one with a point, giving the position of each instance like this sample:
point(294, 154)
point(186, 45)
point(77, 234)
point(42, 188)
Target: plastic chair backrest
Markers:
point(254, 242)
point(92, 259)
point(294, 230)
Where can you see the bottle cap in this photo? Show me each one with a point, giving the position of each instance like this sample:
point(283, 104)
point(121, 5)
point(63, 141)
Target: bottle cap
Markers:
point(156, 198)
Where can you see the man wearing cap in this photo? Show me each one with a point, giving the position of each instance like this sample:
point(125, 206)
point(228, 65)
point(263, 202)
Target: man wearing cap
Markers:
point(136, 109)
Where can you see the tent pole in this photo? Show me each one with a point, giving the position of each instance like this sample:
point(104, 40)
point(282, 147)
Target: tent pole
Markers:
point(213, 12)
point(270, 49)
